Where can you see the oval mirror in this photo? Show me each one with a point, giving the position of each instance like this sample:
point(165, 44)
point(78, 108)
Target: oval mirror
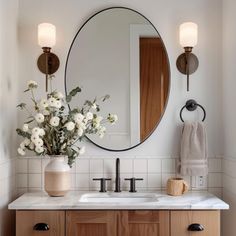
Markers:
point(119, 52)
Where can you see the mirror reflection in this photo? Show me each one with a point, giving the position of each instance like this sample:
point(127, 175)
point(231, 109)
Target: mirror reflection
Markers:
point(119, 52)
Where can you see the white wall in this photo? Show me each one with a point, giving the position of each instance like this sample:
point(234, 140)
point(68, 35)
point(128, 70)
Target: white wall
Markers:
point(162, 148)
point(8, 99)
point(68, 16)
point(229, 98)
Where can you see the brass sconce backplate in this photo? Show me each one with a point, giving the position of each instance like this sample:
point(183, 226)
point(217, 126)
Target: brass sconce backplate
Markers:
point(48, 63)
point(187, 60)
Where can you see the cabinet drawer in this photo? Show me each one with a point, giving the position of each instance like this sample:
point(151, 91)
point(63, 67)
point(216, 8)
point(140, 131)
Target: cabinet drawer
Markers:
point(181, 220)
point(27, 220)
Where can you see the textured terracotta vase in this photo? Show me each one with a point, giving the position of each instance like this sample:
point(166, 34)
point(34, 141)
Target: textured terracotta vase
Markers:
point(57, 177)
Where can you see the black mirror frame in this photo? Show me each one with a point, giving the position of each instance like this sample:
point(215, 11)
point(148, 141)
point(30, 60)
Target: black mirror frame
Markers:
point(168, 61)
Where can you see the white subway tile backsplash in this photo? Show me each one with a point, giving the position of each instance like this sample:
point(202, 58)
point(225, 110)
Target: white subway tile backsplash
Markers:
point(214, 180)
point(35, 181)
point(82, 165)
point(96, 165)
point(73, 181)
point(22, 180)
point(140, 165)
point(82, 181)
point(109, 165)
point(154, 165)
point(154, 181)
point(34, 166)
point(154, 170)
point(215, 165)
point(21, 165)
point(126, 165)
point(168, 165)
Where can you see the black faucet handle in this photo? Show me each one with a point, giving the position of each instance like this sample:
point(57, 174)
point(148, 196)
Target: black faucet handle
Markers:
point(103, 187)
point(133, 183)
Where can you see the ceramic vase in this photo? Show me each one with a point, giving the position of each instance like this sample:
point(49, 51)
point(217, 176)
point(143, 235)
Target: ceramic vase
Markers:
point(57, 176)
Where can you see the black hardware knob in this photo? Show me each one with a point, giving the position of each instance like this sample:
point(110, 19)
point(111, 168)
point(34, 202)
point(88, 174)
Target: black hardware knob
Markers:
point(195, 227)
point(41, 227)
point(132, 184)
point(103, 188)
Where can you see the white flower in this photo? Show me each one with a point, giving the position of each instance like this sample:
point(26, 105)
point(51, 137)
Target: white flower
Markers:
point(31, 146)
point(52, 102)
point(43, 103)
point(81, 125)
point(96, 121)
point(22, 145)
point(82, 150)
point(36, 131)
point(58, 104)
point(80, 132)
point(112, 118)
point(39, 117)
point(34, 137)
point(78, 117)
point(39, 149)
point(54, 121)
point(85, 121)
point(45, 112)
point(26, 142)
point(38, 142)
point(41, 132)
point(59, 95)
point(32, 84)
point(101, 131)
point(70, 125)
point(94, 106)
point(21, 151)
point(89, 116)
point(25, 127)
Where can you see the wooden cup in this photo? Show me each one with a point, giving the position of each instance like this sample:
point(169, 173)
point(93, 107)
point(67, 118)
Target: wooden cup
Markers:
point(176, 186)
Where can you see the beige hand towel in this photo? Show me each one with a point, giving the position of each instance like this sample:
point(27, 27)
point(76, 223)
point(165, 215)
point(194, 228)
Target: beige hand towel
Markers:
point(193, 154)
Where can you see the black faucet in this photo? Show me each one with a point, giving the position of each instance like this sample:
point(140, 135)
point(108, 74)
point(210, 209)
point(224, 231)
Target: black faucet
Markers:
point(117, 180)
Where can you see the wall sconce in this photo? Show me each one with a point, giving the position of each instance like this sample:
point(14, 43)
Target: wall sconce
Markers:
point(187, 63)
point(48, 63)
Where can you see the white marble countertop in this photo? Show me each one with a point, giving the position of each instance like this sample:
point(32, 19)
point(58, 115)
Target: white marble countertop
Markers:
point(73, 200)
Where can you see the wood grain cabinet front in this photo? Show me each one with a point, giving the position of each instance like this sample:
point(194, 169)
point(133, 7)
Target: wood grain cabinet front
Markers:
point(143, 223)
point(118, 223)
point(194, 223)
point(91, 223)
point(37, 223)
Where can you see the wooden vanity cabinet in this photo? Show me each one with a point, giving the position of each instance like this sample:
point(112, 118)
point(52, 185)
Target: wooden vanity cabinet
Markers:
point(91, 223)
point(117, 223)
point(181, 220)
point(143, 223)
point(38, 223)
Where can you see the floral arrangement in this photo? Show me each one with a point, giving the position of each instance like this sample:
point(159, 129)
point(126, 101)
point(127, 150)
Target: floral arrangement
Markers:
point(53, 129)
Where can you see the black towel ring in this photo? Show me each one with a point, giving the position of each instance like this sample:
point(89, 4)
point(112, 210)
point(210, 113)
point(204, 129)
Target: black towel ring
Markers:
point(191, 105)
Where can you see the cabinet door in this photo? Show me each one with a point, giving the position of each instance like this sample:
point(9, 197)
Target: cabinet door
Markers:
point(27, 220)
point(91, 223)
point(180, 221)
point(143, 223)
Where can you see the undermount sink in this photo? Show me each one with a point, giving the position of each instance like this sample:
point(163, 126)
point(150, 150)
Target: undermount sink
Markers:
point(127, 198)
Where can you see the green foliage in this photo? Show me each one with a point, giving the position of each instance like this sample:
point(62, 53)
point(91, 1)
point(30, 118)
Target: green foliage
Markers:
point(21, 106)
point(23, 134)
point(72, 94)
